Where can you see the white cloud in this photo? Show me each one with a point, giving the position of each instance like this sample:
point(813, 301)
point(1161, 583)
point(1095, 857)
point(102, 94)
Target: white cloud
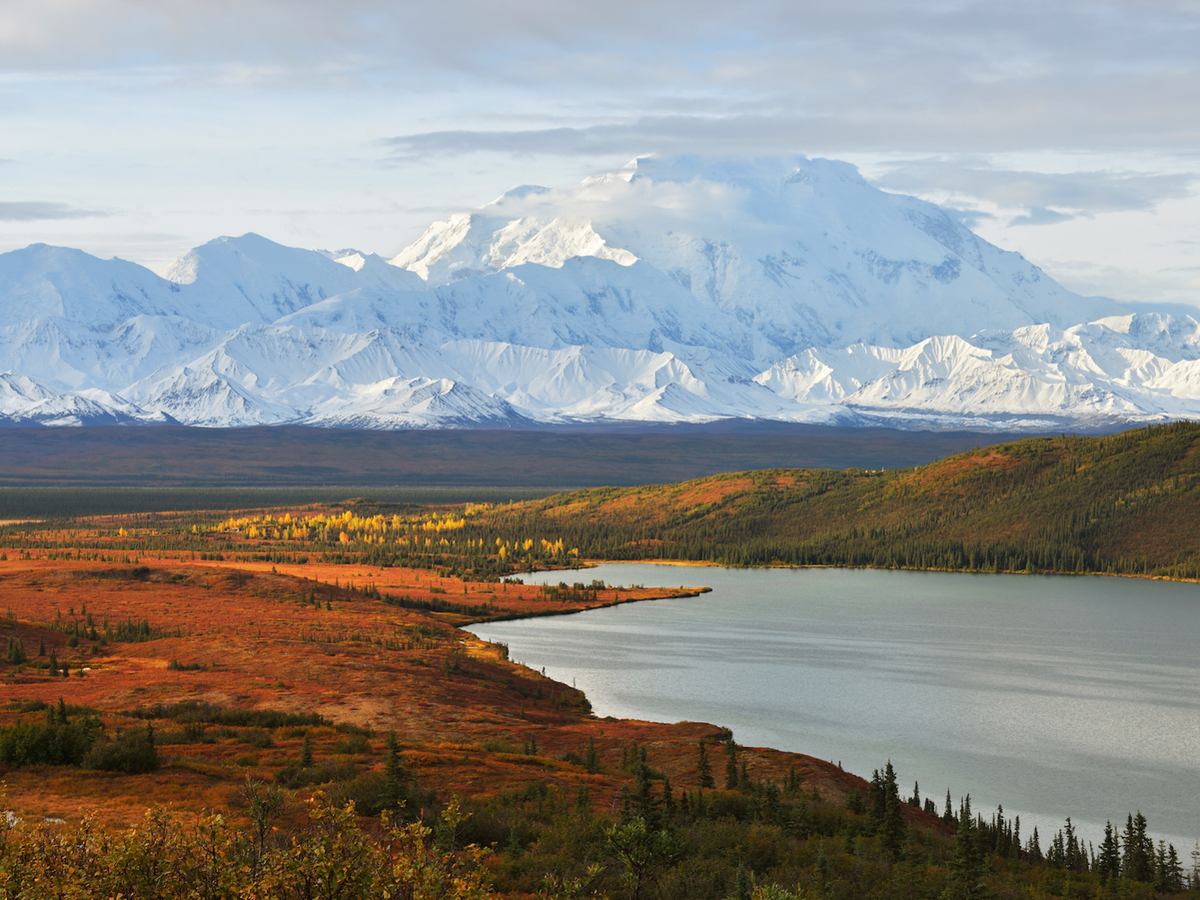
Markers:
point(200, 117)
point(1038, 198)
point(35, 211)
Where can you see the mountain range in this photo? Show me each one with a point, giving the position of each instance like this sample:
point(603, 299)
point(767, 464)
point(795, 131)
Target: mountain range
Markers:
point(675, 290)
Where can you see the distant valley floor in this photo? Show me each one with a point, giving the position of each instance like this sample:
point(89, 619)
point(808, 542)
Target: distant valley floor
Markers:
point(293, 456)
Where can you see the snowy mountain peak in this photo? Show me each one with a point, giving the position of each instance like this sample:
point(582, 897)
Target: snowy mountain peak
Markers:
point(800, 251)
point(352, 259)
point(764, 174)
point(675, 289)
point(469, 244)
point(521, 192)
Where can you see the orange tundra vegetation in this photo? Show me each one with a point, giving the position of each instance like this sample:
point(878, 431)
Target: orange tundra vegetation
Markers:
point(304, 639)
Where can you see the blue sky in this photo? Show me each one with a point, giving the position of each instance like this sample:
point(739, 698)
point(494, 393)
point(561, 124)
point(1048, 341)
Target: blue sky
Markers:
point(1066, 130)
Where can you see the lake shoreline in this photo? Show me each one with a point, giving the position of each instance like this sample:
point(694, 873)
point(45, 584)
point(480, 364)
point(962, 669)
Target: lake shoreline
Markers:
point(1004, 655)
point(715, 565)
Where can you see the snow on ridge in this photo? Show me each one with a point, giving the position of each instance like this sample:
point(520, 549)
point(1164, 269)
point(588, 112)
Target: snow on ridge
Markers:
point(474, 244)
point(387, 379)
point(684, 289)
point(25, 401)
point(400, 403)
point(1085, 373)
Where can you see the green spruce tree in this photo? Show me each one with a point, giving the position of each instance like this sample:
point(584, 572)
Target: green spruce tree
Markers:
point(731, 766)
point(393, 775)
point(703, 768)
point(966, 866)
point(591, 759)
point(891, 829)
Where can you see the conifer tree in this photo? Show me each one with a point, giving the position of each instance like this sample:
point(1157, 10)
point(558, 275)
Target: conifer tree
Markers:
point(393, 774)
point(1174, 872)
point(731, 766)
point(966, 866)
point(16, 651)
point(591, 759)
point(743, 885)
point(1160, 867)
point(306, 753)
point(891, 830)
point(876, 800)
point(821, 875)
point(1137, 861)
point(644, 803)
point(1074, 858)
point(1034, 850)
point(703, 769)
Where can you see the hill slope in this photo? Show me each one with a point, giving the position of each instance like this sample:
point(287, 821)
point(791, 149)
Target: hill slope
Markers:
point(1129, 503)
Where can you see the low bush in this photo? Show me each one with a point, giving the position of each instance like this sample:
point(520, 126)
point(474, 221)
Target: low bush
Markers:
point(294, 776)
point(355, 744)
point(132, 752)
point(257, 737)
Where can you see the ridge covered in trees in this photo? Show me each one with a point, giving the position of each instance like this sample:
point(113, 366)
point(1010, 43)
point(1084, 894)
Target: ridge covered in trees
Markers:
point(1124, 504)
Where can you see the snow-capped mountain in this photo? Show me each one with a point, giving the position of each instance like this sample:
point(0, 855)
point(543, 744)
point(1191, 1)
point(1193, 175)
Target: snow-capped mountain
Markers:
point(675, 290)
point(24, 401)
point(788, 253)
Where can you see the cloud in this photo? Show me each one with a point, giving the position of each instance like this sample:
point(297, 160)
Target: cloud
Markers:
point(40, 210)
point(80, 33)
point(220, 116)
point(1168, 289)
point(982, 33)
point(667, 135)
point(1045, 197)
point(1041, 216)
point(557, 141)
point(969, 217)
point(1086, 191)
point(860, 74)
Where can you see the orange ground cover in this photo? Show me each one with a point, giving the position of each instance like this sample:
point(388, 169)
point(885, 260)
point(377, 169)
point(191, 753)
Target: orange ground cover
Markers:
point(255, 639)
point(940, 477)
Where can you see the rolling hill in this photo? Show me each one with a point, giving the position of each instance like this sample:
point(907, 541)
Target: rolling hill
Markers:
point(1124, 504)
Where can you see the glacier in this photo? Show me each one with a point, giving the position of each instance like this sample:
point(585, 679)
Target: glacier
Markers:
point(686, 289)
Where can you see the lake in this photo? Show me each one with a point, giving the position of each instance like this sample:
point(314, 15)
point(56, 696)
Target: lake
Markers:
point(1053, 695)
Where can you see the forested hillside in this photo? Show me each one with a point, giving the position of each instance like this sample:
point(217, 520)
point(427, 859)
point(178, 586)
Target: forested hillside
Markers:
point(1128, 503)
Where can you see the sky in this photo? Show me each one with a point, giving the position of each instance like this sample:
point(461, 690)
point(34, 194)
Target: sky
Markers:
point(1068, 131)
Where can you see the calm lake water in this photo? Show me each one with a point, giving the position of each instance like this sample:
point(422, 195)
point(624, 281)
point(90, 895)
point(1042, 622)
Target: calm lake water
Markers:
point(1055, 696)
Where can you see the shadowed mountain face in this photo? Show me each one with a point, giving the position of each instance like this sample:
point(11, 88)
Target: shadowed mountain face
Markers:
point(678, 290)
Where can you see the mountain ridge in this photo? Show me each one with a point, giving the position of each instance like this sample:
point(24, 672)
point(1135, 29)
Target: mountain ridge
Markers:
point(680, 290)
